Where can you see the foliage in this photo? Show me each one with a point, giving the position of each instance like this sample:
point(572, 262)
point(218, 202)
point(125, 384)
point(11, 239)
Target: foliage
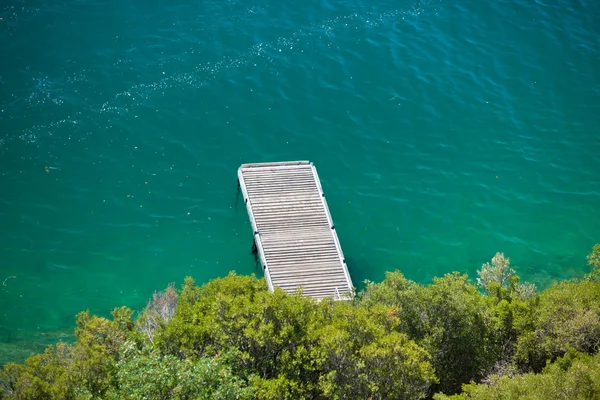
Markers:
point(575, 376)
point(449, 318)
point(499, 271)
point(360, 355)
point(509, 310)
point(43, 376)
point(526, 290)
point(594, 261)
point(144, 373)
point(292, 347)
point(567, 315)
point(232, 338)
point(85, 370)
point(159, 311)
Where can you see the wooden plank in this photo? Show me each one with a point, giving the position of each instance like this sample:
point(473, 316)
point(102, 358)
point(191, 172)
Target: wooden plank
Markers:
point(283, 220)
point(299, 249)
point(291, 185)
point(304, 265)
point(285, 205)
point(308, 285)
point(334, 281)
point(323, 275)
point(285, 213)
point(288, 215)
point(317, 292)
point(286, 197)
point(300, 266)
point(284, 170)
point(307, 233)
point(291, 215)
point(282, 195)
point(326, 291)
point(302, 255)
point(279, 271)
point(301, 209)
point(302, 241)
point(295, 187)
point(297, 195)
point(274, 255)
point(264, 184)
point(321, 293)
point(296, 260)
point(293, 222)
point(260, 169)
point(281, 262)
point(281, 181)
point(275, 164)
point(300, 245)
point(277, 181)
point(314, 287)
point(292, 225)
point(308, 280)
point(299, 236)
point(285, 202)
point(309, 273)
point(305, 269)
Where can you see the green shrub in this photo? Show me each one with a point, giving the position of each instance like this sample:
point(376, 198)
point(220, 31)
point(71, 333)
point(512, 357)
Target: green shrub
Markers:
point(449, 318)
point(233, 339)
point(146, 374)
point(566, 315)
point(288, 346)
point(575, 376)
point(594, 262)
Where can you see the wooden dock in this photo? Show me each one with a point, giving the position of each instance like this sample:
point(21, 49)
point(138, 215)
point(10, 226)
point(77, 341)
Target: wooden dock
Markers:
point(293, 231)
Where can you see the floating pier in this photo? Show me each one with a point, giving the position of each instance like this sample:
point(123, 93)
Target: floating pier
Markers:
point(294, 234)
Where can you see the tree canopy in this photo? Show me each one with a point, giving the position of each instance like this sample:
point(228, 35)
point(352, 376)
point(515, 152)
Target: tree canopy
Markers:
point(233, 339)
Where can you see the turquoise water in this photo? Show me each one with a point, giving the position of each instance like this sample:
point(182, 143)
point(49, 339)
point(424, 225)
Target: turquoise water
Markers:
point(443, 132)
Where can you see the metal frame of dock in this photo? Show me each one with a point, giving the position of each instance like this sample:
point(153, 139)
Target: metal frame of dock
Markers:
point(294, 234)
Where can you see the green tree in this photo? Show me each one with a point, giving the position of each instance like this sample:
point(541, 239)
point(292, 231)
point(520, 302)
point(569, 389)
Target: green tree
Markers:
point(146, 374)
point(159, 310)
point(449, 318)
point(84, 370)
point(42, 376)
point(232, 338)
point(594, 261)
point(565, 316)
point(361, 355)
point(261, 333)
point(575, 376)
point(500, 273)
point(288, 346)
point(511, 313)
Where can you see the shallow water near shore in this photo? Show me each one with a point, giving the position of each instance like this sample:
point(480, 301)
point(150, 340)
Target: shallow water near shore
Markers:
point(443, 132)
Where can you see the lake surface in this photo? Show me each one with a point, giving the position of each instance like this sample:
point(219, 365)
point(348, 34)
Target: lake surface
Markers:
point(443, 131)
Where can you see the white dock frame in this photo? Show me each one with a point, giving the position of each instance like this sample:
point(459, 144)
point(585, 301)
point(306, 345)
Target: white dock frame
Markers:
point(293, 230)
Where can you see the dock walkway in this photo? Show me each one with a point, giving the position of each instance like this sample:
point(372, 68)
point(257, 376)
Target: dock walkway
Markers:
point(293, 230)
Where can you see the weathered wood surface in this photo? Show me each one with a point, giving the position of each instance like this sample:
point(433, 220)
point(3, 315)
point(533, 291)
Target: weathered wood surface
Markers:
point(293, 230)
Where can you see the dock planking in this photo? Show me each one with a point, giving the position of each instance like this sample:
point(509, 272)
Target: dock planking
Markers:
point(293, 230)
